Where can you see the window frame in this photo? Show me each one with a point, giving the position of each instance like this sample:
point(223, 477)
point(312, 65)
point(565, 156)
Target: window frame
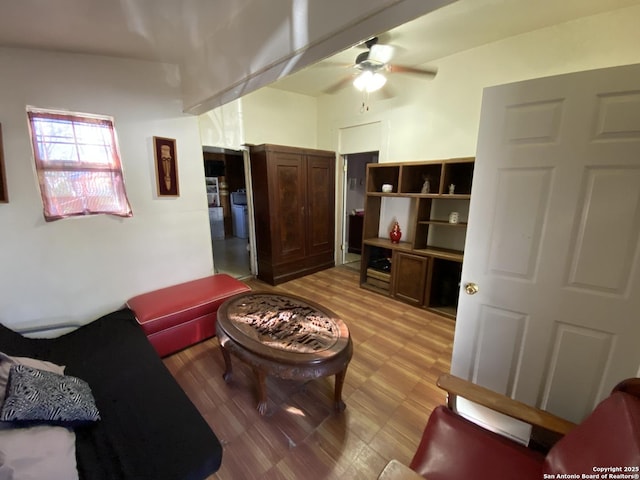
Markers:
point(83, 175)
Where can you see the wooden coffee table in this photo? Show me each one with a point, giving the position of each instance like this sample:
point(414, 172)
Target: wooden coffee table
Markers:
point(285, 336)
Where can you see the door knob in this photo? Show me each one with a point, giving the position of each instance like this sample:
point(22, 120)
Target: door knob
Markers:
point(471, 288)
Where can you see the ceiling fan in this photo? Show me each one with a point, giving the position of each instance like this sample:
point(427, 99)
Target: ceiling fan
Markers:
point(372, 64)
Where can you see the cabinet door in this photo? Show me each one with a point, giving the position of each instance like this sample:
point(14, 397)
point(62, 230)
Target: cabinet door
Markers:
point(287, 178)
point(409, 277)
point(320, 217)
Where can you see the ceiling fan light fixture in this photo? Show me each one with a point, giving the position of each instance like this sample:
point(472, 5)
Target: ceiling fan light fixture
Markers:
point(369, 81)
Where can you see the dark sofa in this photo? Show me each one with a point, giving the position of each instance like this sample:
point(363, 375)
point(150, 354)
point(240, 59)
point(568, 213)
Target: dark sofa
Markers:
point(149, 429)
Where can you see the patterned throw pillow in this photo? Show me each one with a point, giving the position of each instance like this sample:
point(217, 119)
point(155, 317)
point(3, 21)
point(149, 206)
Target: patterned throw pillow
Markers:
point(39, 396)
point(7, 361)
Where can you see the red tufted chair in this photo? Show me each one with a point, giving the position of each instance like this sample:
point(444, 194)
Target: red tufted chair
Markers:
point(453, 448)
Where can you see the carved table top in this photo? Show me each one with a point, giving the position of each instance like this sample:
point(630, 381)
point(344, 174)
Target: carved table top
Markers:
point(283, 327)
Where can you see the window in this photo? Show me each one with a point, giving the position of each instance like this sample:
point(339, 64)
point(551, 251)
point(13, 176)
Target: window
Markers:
point(78, 164)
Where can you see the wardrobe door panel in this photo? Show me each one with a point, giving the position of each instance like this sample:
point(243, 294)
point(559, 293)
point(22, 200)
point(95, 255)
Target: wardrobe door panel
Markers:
point(320, 217)
point(288, 215)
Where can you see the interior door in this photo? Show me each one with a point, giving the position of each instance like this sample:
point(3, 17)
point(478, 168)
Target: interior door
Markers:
point(552, 241)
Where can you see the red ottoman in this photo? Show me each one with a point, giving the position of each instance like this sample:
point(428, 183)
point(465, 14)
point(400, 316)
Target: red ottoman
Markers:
point(178, 316)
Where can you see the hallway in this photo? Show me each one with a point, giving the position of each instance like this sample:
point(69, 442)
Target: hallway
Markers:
point(231, 256)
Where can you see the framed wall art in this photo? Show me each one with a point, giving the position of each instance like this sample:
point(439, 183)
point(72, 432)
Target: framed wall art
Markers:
point(166, 161)
point(4, 196)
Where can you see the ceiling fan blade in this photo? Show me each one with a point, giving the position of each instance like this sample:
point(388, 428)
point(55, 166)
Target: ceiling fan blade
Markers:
point(330, 64)
point(413, 70)
point(387, 92)
point(339, 85)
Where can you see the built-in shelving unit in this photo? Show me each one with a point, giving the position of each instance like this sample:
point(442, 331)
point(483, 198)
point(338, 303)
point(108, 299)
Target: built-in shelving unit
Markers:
point(424, 268)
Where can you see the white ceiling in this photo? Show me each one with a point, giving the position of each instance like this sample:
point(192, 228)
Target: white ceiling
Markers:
point(163, 30)
point(460, 26)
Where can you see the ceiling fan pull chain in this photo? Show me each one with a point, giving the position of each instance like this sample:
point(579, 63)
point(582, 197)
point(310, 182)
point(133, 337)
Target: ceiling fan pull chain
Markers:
point(365, 102)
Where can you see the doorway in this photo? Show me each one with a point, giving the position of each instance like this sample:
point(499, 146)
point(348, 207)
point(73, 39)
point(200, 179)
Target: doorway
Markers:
point(354, 196)
point(227, 197)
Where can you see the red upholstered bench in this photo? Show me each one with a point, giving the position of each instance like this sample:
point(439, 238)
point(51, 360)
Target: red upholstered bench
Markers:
point(178, 316)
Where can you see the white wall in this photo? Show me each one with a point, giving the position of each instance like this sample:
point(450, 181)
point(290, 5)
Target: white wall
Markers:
point(264, 116)
point(282, 118)
point(438, 118)
point(76, 269)
point(223, 127)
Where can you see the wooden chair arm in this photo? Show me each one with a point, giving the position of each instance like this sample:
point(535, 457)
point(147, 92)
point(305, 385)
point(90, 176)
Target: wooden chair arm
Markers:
point(535, 417)
point(394, 470)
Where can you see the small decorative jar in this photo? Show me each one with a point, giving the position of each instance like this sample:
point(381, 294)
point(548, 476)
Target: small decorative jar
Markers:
point(395, 234)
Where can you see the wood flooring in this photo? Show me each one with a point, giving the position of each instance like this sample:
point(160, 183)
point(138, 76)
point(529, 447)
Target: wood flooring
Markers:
point(389, 390)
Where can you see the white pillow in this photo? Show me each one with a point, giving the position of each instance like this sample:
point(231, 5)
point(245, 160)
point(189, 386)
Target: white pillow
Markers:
point(38, 453)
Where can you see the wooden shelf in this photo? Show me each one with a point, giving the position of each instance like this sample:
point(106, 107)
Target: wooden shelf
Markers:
point(453, 197)
point(437, 252)
point(378, 280)
point(408, 178)
point(419, 195)
point(391, 194)
point(386, 243)
point(444, 253)
point(379, 275)
point(442, 223)
point(420, 273)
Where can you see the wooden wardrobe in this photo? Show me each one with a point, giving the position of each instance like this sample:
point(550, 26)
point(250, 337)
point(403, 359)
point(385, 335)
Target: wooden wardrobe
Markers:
point(294, 202)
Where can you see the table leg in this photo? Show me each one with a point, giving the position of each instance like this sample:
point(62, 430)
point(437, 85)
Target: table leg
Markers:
point(228, 372)
point(261, 377)
point(339, 405)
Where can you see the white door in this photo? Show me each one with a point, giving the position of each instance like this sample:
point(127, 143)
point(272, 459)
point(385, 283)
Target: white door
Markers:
point(553, 241)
